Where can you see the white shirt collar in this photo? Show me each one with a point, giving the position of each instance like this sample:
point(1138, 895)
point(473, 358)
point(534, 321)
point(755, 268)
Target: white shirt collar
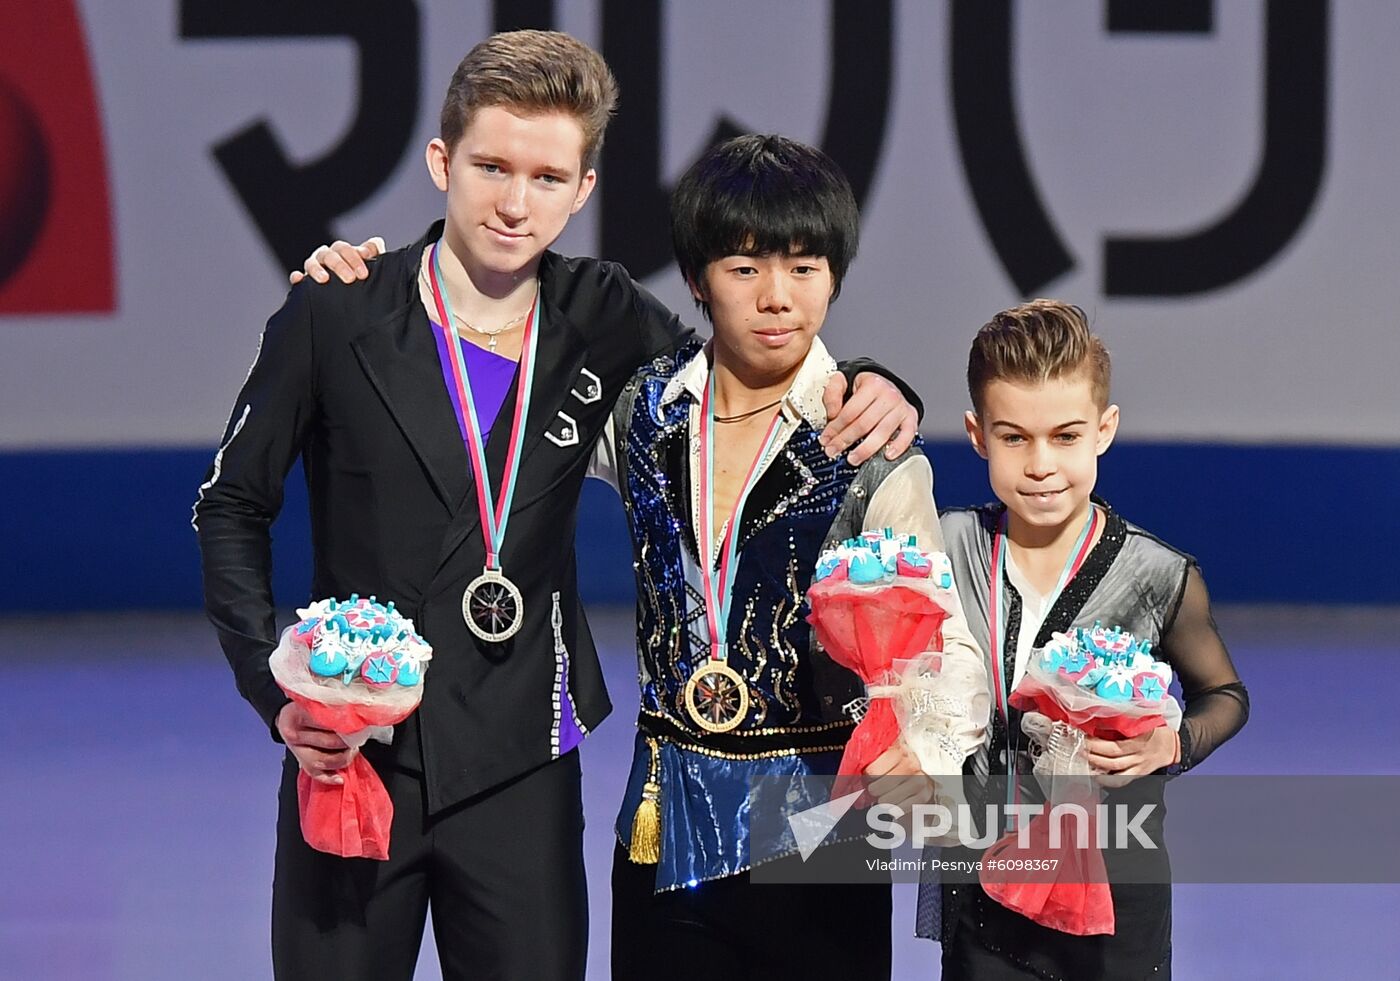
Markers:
point(804, 396)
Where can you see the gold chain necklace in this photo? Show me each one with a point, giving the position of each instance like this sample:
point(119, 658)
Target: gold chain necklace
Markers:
point(491, 335)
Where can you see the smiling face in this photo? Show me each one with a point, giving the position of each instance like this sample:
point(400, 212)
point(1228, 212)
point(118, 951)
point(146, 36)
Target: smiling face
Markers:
point(766, 309)
point(1042, 442)
point(512, 183)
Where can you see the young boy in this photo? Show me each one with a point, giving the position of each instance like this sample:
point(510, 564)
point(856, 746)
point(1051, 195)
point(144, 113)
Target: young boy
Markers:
point(718, 445)
point(367, 385)
point(1039, 383)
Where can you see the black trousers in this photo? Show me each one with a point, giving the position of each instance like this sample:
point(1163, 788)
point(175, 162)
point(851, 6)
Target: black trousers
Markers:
point(988, 942)
point(502, 874)
point(736, 930)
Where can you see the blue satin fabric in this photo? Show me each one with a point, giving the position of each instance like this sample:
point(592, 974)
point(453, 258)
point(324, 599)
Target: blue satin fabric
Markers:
point(705, 809)
point(705, 832)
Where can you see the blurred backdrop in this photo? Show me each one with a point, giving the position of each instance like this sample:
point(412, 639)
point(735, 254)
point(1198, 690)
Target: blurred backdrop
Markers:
point(1214, 182)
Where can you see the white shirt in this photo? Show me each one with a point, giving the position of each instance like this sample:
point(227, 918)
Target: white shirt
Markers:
point(1035, 607)
point(903, 501)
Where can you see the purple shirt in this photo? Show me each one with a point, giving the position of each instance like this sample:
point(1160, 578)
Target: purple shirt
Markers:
point(490, 375)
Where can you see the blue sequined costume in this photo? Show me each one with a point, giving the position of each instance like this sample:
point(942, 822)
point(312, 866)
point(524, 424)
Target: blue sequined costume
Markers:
point(794, 725)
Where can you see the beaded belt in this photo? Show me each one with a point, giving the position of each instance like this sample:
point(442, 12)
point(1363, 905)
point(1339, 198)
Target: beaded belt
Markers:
point(753, 744)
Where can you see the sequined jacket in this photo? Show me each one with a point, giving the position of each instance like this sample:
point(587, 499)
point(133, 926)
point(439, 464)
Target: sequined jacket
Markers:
point(802, 500)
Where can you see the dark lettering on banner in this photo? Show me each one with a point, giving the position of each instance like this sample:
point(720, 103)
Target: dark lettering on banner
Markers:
point(1285, 187)
point(634, 222)
point(989, 139)
point(295, 205)
point(635, 203)
point(1227, 251)
point(518, 15)
point(858, 97)
point(1160, 16)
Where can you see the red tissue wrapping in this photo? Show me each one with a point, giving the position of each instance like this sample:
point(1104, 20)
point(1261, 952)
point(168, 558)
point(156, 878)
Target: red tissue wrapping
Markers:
point(1066, 887)
point(351, 819)
point(1056, 884)
point(868, 628)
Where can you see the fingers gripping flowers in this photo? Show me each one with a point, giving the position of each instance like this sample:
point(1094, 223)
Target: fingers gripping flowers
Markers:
point(1090, 683)
point(355, 667)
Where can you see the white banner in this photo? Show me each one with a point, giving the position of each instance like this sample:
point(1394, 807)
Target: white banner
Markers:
point(1214, 182)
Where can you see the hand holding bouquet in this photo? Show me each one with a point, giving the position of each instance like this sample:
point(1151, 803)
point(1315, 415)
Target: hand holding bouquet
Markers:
point(1095, 683)
point(356, 667)
point(876, 610)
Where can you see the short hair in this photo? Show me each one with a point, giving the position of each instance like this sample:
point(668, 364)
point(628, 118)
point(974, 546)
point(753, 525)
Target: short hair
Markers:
point(534, 72)
point(763, 195)
point(1036, 342)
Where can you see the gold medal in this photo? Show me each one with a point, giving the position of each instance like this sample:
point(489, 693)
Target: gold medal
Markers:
point(493, 607)
point(716, 697)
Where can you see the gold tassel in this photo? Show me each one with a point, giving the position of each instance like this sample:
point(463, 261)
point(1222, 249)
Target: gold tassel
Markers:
point(645, 848)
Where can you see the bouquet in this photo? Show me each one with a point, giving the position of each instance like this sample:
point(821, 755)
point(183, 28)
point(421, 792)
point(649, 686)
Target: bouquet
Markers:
point(357, 668)
point(1095, 683)
point(875, 610)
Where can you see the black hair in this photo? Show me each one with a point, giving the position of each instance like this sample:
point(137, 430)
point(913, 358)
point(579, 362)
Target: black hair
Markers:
point(763, 195)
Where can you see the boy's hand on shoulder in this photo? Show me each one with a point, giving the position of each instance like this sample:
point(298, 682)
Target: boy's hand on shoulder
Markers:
point(876, 415)
point(1121, 760)
point(340, 257)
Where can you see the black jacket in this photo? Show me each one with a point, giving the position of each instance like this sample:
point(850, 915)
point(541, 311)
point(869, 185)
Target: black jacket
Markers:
point(348, 378)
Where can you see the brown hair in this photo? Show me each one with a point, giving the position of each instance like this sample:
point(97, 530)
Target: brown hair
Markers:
point(534, 71)
point(1035, 342)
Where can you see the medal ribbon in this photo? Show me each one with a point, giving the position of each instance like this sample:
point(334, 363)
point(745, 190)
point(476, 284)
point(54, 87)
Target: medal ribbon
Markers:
point(1001, 685)
point(719, 589)
point(495, 513)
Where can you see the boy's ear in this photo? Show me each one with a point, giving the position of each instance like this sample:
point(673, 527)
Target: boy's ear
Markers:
point(438, 159)
point(585, 189)
point(1108, 428)
point(974, 433)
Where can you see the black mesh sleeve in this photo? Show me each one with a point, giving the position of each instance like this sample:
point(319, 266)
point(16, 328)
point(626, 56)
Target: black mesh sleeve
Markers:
point(1217, 704)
